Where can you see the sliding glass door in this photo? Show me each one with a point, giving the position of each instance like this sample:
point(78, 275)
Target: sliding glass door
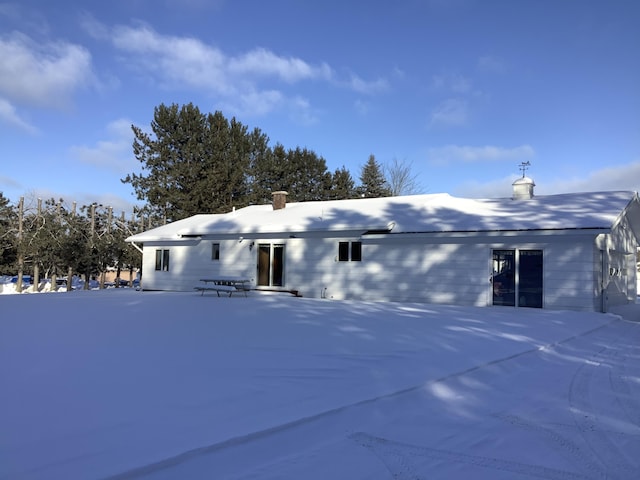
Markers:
point(517, 278)
point(270, 265)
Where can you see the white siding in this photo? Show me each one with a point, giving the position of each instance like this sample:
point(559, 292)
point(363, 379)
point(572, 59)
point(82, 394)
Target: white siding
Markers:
point(619, 270)
point(408, 268)
point(189, 263)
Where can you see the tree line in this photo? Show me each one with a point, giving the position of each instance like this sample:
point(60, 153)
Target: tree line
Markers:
point(191, 163)
point(52, 240)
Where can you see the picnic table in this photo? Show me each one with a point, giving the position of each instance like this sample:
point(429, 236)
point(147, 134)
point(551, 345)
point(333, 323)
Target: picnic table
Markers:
point(229, 285)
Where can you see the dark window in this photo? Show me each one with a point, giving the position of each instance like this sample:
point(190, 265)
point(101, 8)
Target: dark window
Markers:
point(346, 248)
point(215, 251)
point(356, 251)
point(343, 251)
point(165, 260)
point(162, 260)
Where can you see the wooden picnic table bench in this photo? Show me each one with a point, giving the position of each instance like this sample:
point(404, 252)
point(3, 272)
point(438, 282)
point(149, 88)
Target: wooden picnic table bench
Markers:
point(228, 285)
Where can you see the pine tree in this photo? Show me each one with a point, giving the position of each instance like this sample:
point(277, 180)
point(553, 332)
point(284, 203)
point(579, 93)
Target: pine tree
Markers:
point(268, 173)
point(306, 178)
point(8, 236)
point(343, 186)
point(193, 163)
point(372, 181)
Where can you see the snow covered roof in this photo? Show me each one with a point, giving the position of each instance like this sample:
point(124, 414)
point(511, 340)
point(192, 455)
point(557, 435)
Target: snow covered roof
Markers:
point(409, 214)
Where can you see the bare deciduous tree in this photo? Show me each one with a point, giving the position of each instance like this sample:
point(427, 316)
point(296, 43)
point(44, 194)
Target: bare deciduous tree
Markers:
point(401, 178)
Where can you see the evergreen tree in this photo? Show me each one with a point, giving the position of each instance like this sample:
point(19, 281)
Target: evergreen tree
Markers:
point(372, 181)
point(193, 163)
point(343, 186)
point(8, 236)
point(268, 173)
point(306, 177)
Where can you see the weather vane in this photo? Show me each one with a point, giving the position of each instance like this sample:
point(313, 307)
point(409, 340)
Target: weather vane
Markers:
point(524, 166)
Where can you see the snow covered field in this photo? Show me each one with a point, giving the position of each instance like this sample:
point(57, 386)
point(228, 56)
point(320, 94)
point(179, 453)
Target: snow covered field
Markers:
point(125, 384)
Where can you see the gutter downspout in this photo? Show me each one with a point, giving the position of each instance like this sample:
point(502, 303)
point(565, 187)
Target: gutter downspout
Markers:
point(137, 247)
point(603, 285)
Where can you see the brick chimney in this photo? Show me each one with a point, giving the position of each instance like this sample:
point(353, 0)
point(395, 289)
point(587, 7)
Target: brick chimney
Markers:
point(279, 200)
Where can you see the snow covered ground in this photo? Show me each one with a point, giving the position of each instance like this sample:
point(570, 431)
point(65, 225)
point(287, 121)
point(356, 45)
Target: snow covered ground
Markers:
point(125, 384)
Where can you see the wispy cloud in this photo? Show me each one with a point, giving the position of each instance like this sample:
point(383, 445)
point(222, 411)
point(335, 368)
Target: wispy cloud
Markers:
point(491, 64)
point(178, 62)
point(622, 177)
point(262, 62)
point(452, 112)
point(42, 74)
point(357, 84)
point(9, 116)
point(112, 153)
point(454, 154)
point(452, 82)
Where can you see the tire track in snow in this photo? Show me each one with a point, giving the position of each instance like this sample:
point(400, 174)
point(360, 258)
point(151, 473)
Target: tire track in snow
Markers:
point(620, 377)
point(180, 458)
point(568, 447)
point(589, 425)
point(401, 459)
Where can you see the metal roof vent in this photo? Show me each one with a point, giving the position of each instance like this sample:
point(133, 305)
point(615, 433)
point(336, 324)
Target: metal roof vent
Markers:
point(523, 187)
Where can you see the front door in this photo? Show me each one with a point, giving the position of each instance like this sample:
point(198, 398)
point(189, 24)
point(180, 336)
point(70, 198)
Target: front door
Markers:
point(270, 265)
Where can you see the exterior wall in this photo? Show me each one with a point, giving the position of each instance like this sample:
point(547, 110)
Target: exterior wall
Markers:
point(618, 271)
point(192, 260)
point(409, 268)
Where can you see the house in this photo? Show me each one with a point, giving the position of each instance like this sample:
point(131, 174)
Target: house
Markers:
point(569, 251)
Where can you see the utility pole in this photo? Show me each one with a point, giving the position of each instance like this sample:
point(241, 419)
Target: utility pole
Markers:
point(70, 270)
point(20, 245)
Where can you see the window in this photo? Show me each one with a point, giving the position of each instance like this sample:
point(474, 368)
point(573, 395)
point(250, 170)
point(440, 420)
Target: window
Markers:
point(215, 251)
point(162, 260)
point(349, 251)
point(356, 251)
point(343, 251)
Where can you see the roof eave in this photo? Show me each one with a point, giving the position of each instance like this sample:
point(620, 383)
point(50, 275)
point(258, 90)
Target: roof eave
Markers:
point(495, 233)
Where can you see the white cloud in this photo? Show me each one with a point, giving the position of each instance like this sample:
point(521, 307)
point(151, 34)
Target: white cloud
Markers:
point(452, 82)
point(359, 85)
point(473, 154)
point(114, 153)
point(363, 108)
point(500, 188)
point(8, 182)
point(9, 116)
point(263, 62)
point(42, 74)
point(257, 102)
point(179, 62)
point(491, 64)
point(453, 112)
point(621, 177)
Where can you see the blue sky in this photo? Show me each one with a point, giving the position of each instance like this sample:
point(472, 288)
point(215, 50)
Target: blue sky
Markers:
point(462, 90)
